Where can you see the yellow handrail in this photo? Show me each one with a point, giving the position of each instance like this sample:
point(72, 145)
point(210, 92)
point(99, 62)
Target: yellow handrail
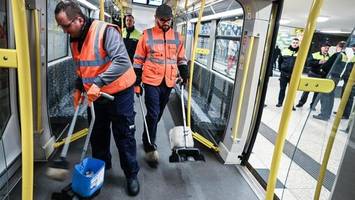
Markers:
point(38, 71)
point(291, 94)
point(242, 88)
point(338, 116)
point(25, 94)
point(102, 10)
point(193, 55)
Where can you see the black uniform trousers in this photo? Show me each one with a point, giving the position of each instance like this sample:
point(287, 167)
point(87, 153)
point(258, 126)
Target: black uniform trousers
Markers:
point(156, 98)
point(119, 114)
point(284, 80)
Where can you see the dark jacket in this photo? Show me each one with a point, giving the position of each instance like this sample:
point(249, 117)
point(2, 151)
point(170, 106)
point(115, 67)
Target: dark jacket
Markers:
point(288, 61)
point(313, 62)
point(130, 38)
point(335, 65)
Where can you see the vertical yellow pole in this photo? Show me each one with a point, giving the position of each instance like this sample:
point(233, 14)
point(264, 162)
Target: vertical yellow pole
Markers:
point(186, 4)
point(242, 88)
point(25, 94)
point(193, 55)
point(291, 94)
point(102, 10)
point(122, 15)
point(38, 71)
point(333, 132)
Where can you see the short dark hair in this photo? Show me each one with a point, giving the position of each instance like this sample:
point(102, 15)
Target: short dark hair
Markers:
point(128, 15)
point(342, 44)
point(296, 39)
point(70, 7)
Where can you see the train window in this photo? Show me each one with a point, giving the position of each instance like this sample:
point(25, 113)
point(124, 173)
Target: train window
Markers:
point(203, 40)
point(149, 2)
point(227, 47)
point(57, 45)
point(4, 73)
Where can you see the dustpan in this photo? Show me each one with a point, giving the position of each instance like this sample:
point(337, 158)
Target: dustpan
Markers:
point(181, 140)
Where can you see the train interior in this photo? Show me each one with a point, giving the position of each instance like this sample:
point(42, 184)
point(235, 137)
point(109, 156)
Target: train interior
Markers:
point(234, 91)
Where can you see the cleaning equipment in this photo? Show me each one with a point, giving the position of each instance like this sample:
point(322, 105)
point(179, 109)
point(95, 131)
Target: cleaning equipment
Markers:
point(59, 169)
point(152, 164)
point(88, 175)
point(181, 140)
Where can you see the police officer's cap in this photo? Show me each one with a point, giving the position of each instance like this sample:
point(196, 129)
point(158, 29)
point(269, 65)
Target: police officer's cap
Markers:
point(325, 44)
point(164, 11)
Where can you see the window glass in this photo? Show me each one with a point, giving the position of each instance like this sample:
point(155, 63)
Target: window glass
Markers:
point(203, 40)
point(5, 111)
point(57, 39)
point(227, 47)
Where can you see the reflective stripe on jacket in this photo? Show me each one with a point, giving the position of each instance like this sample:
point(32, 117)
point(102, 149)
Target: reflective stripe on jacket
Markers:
point(313, 62)
point(93, 60)
point(159, 54)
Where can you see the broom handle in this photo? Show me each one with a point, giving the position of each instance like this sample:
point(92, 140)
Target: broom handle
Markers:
point(145, 121)
point(70, 132)
point(183, 112)
point(92, 122)
point(91, 126)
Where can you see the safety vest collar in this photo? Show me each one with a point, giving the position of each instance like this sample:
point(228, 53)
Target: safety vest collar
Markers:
point(154, 41)
point(98, 59)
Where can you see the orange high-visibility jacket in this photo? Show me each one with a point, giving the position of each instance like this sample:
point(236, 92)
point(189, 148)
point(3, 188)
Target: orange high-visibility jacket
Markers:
point(159, 54)
point(93, 60)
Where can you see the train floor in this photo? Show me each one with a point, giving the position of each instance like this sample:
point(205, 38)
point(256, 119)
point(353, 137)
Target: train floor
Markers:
point(182, 181)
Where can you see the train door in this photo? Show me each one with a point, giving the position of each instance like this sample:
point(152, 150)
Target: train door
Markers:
point(10, 146)
point(310, 127)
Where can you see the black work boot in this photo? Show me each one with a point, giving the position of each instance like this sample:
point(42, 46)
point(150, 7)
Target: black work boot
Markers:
point(132, 186)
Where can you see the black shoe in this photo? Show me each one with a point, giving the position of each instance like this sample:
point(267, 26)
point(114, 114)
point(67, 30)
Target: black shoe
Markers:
point(321, 117)
point(293, 108)
point(278, 105)
point(132, 186)
point(299, 105)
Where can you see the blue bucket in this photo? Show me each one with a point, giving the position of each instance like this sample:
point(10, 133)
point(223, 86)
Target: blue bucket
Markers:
point(88, 176)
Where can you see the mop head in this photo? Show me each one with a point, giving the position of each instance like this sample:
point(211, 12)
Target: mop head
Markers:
point(58, 170)
point(177, 137)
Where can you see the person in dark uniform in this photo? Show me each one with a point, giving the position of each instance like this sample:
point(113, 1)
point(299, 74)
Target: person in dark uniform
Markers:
point(345, 77)
point(332, 69)
point(130, 36)
point(315, 62)
point(288, 59)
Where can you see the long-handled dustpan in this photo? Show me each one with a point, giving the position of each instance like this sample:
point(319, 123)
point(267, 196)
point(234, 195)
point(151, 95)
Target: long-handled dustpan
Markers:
point(181, 140)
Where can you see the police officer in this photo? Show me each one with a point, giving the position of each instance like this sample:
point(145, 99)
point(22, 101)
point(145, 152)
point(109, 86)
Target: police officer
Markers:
point(345, 77)
point(288, 59)
point(160, 53)
point(332, 69)
point(130, 36)
point(315, 62)
point(103, 65)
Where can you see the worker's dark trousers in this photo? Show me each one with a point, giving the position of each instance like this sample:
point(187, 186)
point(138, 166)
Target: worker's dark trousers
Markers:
point(156, 98)
point(120, 115)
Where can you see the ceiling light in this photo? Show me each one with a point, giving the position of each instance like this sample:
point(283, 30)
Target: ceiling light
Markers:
point(284, 21)
point(334, 31)
point(322, 19)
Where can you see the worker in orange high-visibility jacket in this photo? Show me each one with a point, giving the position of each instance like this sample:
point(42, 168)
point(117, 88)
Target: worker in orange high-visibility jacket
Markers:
point(159, 56)
point(102, 64)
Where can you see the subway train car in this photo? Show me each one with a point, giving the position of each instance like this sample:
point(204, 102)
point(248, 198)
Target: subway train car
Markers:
point(260, 135)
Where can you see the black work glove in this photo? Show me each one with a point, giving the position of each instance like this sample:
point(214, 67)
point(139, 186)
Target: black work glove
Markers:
point(138, 72)
point(184, 73)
